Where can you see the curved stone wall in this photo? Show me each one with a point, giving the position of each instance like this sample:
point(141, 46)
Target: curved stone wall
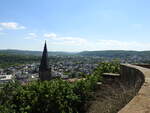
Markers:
point(139, 78)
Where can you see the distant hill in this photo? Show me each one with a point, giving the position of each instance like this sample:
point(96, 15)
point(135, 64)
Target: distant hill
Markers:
point(35, 53)
point(115, 53)
point(107, 53)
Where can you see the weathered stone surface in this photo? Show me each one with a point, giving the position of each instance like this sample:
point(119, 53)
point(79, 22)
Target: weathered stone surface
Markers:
point(137, 77)
point(111, 74)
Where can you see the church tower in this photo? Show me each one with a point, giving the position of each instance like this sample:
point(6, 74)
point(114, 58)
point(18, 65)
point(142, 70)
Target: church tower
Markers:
point(44, 70)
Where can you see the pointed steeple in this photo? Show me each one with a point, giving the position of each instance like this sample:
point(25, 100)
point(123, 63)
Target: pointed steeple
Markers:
point(44, 61)
point(44, 70)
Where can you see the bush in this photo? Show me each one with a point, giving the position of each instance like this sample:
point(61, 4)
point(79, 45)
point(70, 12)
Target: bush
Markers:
point(55, 96)
point(107, 67)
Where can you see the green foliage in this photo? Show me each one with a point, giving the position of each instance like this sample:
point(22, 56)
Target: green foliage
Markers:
point(55, 96)
point(7, 60)
point(107, 67)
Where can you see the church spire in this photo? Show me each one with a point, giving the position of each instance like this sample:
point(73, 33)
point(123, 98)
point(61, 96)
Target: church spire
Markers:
point(44, 70)
point(44, 61)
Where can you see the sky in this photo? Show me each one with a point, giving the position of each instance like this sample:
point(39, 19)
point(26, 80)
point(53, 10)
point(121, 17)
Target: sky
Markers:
point(75, 25)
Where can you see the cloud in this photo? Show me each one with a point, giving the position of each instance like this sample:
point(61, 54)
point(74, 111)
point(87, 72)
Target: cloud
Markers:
point(121, 45)
point(80, 44)
point(64, 40)
point(11, 26)
point(31, 36)
point(68, 40)
point(72, 40)
point(50, 35)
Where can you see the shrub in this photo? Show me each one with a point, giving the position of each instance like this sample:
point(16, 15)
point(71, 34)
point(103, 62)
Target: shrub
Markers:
point(107, 67)
point(55, 96)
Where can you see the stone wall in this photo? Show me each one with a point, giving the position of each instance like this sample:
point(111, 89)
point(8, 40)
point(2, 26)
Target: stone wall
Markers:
point(138, 78)
point(131, 76)
point(144, 65)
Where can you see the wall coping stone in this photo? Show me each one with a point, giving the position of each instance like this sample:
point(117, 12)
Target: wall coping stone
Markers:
point(141, 102)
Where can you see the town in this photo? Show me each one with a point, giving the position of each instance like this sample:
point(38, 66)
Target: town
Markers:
point(62, 67)
point(73, 68)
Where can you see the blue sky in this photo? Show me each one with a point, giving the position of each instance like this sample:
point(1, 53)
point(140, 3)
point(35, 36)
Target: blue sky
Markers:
point(75, 25)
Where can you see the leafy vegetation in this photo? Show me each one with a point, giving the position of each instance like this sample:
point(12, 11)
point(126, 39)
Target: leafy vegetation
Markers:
point(7, 60)
point(107, 67)
point(55, 96)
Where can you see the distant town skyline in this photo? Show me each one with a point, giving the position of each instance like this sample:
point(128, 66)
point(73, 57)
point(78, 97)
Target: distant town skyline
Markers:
point(75, 25)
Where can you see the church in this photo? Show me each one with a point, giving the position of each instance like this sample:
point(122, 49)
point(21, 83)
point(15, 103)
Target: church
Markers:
point(44, 69)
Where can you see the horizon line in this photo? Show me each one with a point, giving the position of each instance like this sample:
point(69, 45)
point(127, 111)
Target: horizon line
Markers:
point(73, 51)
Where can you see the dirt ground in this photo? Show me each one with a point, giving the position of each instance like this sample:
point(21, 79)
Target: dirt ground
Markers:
point(110, 97)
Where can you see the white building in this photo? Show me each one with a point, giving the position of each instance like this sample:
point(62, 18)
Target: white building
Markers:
point(5, 78)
